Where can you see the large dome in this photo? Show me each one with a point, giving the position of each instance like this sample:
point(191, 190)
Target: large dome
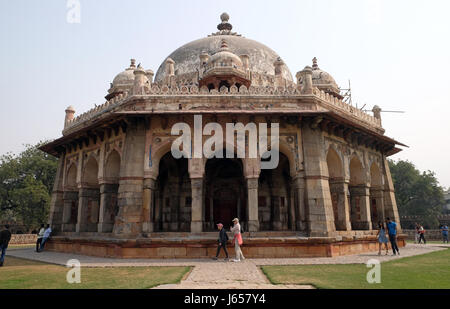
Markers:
point(261, 57)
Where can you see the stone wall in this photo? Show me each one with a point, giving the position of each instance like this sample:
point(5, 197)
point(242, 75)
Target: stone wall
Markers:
point(22, 239)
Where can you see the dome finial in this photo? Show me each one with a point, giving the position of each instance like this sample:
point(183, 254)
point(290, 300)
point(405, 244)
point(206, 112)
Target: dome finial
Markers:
point(315, 66)
point(133, 63)
point(225, 25)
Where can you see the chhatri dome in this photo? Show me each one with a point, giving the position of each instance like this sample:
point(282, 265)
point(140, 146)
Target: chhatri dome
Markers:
point(323, 80)
point(187, 59)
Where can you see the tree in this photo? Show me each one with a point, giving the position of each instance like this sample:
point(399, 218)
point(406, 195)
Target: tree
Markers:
point(26, 183)
point(417, 194)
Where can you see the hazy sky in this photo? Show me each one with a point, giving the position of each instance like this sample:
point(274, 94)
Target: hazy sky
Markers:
point(396, 54)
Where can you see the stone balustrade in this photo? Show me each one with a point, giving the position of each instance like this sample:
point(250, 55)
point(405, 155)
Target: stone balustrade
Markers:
point(289, 91)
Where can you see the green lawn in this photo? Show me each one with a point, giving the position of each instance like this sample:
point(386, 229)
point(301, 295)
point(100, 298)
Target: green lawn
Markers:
point(24, 274)
point(426, 271)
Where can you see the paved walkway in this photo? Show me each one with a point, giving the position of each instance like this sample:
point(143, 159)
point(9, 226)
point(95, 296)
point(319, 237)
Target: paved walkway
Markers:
point(209, 274)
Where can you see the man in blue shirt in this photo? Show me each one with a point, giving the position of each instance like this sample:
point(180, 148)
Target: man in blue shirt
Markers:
point(392, 229)
point(47, 233)
point(444, 229)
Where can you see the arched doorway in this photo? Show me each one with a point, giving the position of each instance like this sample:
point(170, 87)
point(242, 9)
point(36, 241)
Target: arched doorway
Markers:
point(172, 211)
point(338, 191)
point(70, 200)
point(89, 198)
point(276, 207)
point(376, 195)
point(109, 193)
point(359, 196)
point(225, 193)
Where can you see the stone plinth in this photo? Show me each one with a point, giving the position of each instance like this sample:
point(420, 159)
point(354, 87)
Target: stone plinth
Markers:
point(204, 245)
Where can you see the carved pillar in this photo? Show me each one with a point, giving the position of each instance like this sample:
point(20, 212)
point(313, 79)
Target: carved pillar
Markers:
point(148, 205)
point(318, 202)
point(108, 207)
point(390, 204)
point(299, 187)
point(360, 200)
point(292, 212)
point(57, 203)
point(341, 207)
point(128, 221)
point(197, 205)
point(211, 213)
point(252, 209)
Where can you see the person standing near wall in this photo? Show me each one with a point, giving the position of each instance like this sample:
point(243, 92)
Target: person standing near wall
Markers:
point(422, 235)
point(444, 229)
point(417, 235)
point(5, 237)
point(392, 230)
point(47, 233)
point(236, 229)
point(222, 240)
point(40, 236)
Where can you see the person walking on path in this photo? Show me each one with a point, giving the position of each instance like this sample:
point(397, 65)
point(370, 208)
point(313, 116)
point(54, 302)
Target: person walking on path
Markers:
point(223, 239)
point(444, 229)
point(422, 235)
point(382, 239)
point(417, 235)
point(40, 236)
point(236, 229)
point(47, 233)
point(5, 237)
point(392, 230)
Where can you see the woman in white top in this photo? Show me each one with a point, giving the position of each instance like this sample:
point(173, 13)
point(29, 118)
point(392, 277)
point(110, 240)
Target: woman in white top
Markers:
point(40, 236)
point(236, 229)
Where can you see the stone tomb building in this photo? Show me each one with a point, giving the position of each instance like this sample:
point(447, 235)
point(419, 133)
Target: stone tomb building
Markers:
point(120, 192)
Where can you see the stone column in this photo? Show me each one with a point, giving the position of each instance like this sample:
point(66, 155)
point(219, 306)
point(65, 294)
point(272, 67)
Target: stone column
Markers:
point(197, 212)
point(320, 210)
point(108, 205)
point(211, 213)
point(360, 199)
point(292, 211)
point(252, 211)
point(128, 222)
point(57, 203)
point(390, 204)
point(158, 206)
point(88, 209)
point(299, 187)
point(148, 207)
point(342, 221)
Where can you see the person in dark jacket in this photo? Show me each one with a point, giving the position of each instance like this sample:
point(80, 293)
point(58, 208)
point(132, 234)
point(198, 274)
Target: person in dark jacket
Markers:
point(5, 237)
point(223, 238)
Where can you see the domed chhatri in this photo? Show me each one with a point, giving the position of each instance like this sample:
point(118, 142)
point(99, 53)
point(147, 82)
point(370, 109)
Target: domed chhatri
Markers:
point(125, 80)
point(324, 81)
point(121, 192)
